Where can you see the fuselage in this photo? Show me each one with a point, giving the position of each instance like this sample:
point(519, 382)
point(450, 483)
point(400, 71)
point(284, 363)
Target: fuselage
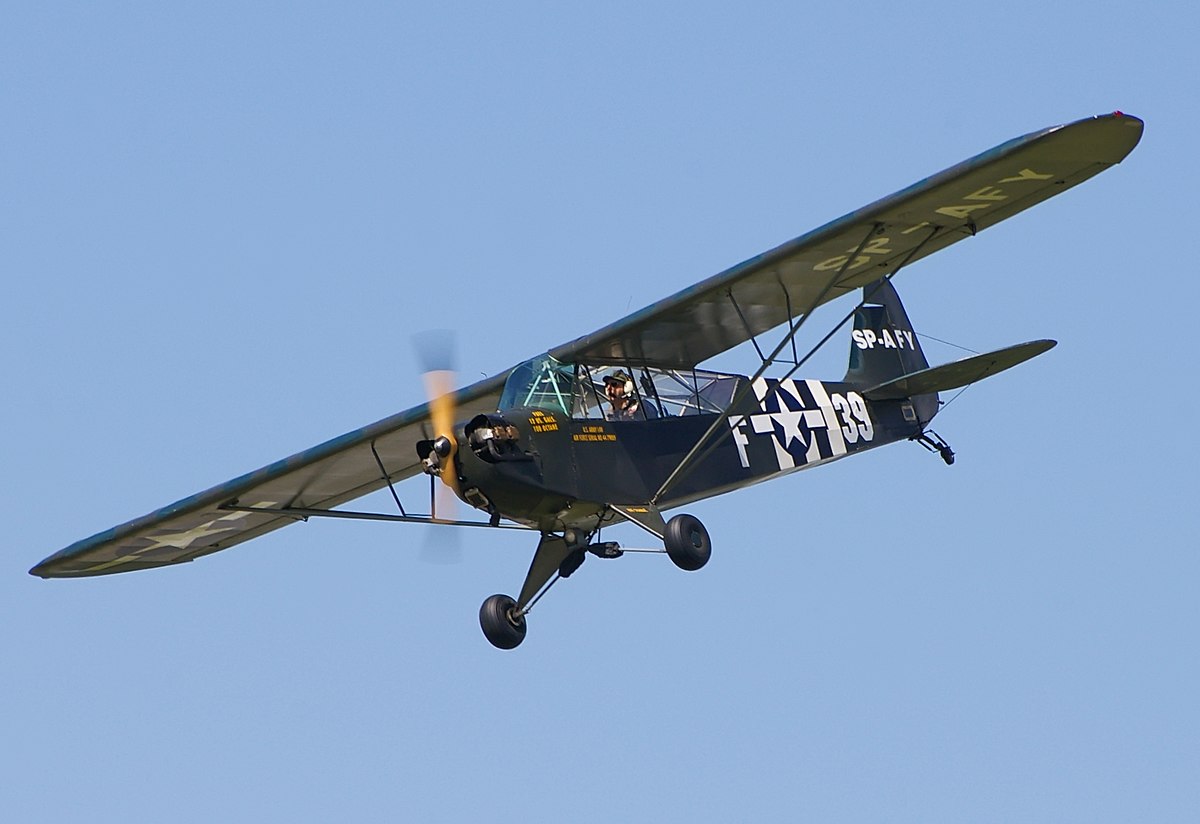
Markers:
point(559, 471)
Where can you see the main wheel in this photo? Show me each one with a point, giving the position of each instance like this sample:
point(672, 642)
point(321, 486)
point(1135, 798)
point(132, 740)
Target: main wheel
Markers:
point(687, 542)
point(499, 626)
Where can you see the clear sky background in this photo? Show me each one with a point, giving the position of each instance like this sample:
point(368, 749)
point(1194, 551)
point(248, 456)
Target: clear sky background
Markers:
point(220, 227)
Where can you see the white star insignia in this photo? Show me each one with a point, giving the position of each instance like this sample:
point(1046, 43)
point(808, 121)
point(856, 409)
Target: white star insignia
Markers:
point(790, 421)
point(180, 540)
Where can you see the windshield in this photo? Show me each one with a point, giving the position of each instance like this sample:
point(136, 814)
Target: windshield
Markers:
point(541, 383)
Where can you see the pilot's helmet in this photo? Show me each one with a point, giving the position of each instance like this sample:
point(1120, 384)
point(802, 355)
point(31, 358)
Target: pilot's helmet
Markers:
point(620, 378)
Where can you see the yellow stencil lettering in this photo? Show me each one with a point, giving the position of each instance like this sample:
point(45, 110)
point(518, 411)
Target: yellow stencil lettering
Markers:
point(877, 246)
point(832, 263)
point(1026, 174)
point(987, 193)
point(963, 211)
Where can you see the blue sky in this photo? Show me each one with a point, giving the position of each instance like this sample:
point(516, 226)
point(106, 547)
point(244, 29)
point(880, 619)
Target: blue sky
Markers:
point(221, 227)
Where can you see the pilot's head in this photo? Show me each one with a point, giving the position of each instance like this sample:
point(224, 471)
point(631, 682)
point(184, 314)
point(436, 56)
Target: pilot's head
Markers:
point(619, 387)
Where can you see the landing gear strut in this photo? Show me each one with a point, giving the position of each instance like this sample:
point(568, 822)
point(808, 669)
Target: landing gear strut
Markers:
point(502, 618)
point(934, 443)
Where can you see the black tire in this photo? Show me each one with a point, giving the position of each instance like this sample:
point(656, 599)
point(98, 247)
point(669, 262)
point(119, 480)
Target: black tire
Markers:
point(687, 542)
point(499, 627)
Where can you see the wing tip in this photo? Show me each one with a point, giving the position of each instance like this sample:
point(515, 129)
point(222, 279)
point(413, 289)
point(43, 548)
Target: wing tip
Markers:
point(1131, 128)
point(46, 569)
point(1117, 114)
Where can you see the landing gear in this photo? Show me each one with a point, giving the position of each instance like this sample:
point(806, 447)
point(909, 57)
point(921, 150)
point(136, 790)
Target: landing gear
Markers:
point(934, 443)
point(559, 556)
point(501, 623)
point(687, 542)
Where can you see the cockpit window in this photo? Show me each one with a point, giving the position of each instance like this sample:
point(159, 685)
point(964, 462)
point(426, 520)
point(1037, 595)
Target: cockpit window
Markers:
point(690, 391)
point(587, 391)
point(541, 383)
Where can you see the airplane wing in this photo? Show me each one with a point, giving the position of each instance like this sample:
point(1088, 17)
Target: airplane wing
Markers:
point(318, 478)
point(766, 291)
point(678, 332)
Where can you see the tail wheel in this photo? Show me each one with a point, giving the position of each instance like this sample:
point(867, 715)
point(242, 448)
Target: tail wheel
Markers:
point(501, 625)
point(687, 542)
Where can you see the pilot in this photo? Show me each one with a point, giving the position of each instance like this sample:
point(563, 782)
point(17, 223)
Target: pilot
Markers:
point(626, 406)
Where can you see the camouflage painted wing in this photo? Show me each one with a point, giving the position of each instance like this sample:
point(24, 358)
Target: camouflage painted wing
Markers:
point(319, 478)
point(766, 291)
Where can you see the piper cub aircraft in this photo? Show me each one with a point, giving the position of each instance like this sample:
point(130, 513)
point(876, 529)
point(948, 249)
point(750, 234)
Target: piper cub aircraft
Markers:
point(623, 425)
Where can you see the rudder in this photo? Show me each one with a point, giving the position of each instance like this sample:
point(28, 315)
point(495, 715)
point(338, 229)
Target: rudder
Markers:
point(883, 345)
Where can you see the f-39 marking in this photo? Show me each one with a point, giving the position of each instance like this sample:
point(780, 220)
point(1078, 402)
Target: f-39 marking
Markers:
point(804, 422)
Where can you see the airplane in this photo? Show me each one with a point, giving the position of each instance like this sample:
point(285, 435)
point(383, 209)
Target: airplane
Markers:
point(622, 425)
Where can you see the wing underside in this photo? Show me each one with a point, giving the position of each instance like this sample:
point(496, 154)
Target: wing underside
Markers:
point(319, 478)
point(789, 281)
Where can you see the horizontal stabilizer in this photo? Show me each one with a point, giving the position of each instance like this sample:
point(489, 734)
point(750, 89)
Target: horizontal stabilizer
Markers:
point(959, 373)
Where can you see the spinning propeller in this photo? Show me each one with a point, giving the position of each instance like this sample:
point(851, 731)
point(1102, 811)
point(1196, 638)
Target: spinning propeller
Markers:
point(435, 351)
point(435, 354)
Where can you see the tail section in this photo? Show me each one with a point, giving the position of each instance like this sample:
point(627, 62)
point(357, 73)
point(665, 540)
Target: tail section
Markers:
point(884, 347)
point(887, 364)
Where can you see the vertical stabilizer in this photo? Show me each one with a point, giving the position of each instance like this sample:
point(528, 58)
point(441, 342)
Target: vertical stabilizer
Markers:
point(883, 345)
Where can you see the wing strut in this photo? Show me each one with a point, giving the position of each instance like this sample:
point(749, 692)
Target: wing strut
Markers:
point(304, 513)
point(787, 302)
point(866, 299)
point(724, 416)
point(694, 455)
point(749, 331)
point(387, 477)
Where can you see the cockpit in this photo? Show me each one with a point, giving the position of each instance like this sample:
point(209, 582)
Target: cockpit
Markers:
point(615, 391)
